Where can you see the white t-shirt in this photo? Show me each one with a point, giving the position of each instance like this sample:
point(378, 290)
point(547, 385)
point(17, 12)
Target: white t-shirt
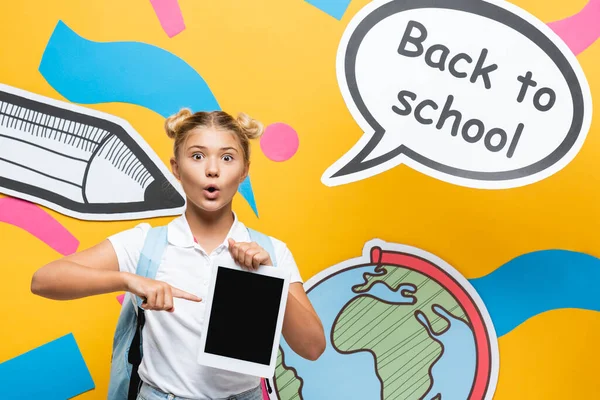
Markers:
point(171, 340)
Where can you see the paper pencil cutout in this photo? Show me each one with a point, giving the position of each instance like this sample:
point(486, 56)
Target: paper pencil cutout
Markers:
point(80, 162)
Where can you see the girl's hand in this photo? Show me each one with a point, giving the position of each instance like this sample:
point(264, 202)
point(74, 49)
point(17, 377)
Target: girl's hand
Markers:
point(249, 255)
point(157, 295)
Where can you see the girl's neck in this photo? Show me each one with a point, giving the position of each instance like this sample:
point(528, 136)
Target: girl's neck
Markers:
point(209, 228)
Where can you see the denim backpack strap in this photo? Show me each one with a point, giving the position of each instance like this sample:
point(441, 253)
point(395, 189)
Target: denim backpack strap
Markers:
point(265, 242)
point(150, 257)
point(154, 246)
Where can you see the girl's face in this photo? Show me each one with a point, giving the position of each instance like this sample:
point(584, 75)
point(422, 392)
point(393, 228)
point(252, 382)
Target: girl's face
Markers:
point(210, 166)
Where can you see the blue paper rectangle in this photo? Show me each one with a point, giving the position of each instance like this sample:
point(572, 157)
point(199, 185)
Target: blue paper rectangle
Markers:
point(55, 370)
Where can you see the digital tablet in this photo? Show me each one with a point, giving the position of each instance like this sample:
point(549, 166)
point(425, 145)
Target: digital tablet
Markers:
point(243, 319)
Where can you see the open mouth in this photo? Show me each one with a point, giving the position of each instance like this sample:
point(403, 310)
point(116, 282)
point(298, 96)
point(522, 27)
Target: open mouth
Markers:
point(211, 189)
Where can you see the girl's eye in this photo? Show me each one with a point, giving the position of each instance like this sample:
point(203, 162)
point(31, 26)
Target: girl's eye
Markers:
point(197, 156)
point(227, 157)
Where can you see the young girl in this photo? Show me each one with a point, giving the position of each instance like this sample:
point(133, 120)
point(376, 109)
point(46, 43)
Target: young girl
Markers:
point(211, 159)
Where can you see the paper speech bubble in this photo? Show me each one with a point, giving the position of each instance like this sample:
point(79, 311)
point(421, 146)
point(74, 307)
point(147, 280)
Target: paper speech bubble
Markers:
point(476, 93)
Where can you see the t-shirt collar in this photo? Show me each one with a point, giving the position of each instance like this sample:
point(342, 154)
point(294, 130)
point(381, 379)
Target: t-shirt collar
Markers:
point(179, 232)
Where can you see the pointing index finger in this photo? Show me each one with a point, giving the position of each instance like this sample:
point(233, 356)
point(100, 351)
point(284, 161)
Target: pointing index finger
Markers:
point(185, 295)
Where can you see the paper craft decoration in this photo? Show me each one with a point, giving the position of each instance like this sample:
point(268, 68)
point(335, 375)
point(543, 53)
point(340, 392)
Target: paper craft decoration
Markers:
point(33, 219)
point(53, 371)
point(80, 162)
point(243, 319)
point(433, 87)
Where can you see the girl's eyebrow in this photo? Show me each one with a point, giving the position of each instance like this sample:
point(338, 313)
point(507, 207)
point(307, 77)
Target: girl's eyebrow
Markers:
point(205, 148)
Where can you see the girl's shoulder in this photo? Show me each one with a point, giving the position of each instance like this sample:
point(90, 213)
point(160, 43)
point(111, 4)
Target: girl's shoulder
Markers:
point(254, 235)
point(285, 259)
point(132, 236)
point(128, 245)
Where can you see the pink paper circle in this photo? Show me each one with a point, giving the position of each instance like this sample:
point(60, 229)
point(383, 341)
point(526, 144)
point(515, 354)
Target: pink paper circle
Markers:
point(279, 142)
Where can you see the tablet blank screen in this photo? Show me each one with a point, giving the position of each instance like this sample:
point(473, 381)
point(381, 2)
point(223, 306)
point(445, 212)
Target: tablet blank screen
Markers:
point(244, 315)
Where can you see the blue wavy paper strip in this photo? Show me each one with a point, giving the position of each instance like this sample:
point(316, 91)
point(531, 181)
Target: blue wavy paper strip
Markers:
point(54, 371)
point(537, 282)
point(90, 72)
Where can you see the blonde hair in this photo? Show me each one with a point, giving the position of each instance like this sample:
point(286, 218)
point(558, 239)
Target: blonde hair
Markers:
point(244, 127)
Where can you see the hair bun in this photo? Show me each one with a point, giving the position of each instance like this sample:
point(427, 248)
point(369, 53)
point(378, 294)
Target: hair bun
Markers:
point(251, 127)
point(174, 122)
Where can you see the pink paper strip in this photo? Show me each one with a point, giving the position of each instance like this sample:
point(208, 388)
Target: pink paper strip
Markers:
point(579, 31)
point(264, 389)
point(169, 15)
point(39, 223)
point(120, 298)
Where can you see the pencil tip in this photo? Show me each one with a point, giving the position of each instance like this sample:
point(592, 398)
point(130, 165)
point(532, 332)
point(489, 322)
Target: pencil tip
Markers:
point(162, 194)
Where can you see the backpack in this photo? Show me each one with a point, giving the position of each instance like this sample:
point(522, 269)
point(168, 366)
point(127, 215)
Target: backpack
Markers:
point(127, 342)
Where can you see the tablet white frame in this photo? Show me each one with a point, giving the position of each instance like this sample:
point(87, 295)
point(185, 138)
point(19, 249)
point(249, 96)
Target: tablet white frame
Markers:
point(234, 364)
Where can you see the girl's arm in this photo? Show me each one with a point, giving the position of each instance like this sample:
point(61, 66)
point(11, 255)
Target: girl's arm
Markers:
point(86, 273)
point(96, 271)
point(302, 328)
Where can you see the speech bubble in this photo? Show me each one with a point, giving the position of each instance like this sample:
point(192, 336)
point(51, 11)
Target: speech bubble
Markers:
point(476, 93)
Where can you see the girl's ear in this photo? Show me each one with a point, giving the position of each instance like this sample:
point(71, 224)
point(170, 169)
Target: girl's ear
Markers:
point(175, 168)
point(245, 173)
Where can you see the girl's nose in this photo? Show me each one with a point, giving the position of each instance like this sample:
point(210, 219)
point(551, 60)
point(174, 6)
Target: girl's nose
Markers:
point(212, 169)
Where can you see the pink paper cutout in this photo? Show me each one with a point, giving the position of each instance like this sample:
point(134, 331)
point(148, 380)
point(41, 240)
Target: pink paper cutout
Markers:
point(120, 298)
point(169, 15)
point(264, 389)
point(279, 142)
point(39, 223)
point(579, 31)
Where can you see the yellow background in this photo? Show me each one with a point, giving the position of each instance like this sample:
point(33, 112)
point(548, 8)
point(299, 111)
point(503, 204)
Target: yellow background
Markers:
point(275, 59)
